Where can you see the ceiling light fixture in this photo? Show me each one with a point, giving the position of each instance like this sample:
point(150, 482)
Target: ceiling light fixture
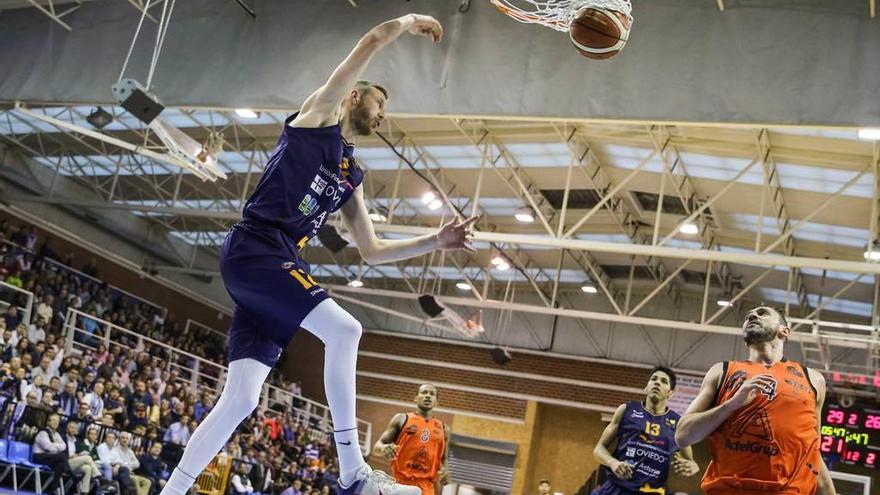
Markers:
point(378, 216)
point(246, 113)
point(873, 252)
point(869, 133)
point(689, 228)
point(524, 215)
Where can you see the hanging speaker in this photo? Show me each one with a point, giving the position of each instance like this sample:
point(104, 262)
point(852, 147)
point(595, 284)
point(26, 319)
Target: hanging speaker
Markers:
point(429, 305)
point(500, 356)
point(135, 98)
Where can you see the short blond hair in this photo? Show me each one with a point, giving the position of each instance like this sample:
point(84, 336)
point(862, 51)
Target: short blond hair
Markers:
point(364, 85)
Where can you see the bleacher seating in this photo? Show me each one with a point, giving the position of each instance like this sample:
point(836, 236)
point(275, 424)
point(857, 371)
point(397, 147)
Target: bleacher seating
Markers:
point(150, 361)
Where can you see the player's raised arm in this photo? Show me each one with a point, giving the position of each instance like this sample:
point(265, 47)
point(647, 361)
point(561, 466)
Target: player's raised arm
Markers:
point(322, 107)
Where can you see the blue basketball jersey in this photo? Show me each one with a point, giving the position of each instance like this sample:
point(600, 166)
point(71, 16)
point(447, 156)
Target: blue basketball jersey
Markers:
point(648, 443)
point(310, 175)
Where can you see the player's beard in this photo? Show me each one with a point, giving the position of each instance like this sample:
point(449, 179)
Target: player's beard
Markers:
point(362, 120)
point(755, 333)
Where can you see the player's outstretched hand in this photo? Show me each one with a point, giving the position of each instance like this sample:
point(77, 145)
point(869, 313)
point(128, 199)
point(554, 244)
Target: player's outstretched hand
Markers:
point(425, 25)
point(622, 470)
point(457, 235)
point(750, 388)
point(685, 467)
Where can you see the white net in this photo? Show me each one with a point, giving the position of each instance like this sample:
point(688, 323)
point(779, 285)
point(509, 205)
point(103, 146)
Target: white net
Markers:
point(556, 14)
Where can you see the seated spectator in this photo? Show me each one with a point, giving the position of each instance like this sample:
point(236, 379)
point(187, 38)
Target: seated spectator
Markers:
point(108, 455)
point(89, 445)
point(261, 474)
point(52, 450)
point(44, 309)
point(139, 419)
point(68, 402)
point(55, 386)
point(12, 318)
point(95, 400)
point(294, 489)
point(37, 331)
point(114, 406)
point(35, 387)
point(48, 402)
point(178, 433)
point(128, 459)
point(153, 468)
point(44, 370)
point(83, 415)
point(241, 484)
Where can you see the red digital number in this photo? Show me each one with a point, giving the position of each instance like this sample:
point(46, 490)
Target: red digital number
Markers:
point(835, 417)
point(871, 458)
point(853, 419)
point(853, 455)
point(872, 422)
point(825, 446)
point(841, 443)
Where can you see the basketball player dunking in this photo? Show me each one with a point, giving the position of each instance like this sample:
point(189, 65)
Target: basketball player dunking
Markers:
point(645, 437)
point(310, 174)
point(761, 417)
point(416, 443)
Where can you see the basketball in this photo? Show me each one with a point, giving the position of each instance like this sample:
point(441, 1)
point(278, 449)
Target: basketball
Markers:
point(599, 33)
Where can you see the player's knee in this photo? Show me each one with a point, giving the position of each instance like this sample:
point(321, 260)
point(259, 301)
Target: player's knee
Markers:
point(239, 405)
point(351, 329)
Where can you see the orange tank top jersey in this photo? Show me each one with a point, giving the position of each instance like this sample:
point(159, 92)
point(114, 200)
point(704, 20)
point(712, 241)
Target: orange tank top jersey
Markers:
point(420, 447)
point(770, 446)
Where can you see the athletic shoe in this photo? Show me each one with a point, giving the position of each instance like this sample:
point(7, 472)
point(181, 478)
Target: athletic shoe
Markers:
point(369, 482)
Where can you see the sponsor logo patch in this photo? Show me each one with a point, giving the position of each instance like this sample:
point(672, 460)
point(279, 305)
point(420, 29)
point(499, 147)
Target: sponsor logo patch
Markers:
point(308, 205)
point(751, 447)
point(318, 184)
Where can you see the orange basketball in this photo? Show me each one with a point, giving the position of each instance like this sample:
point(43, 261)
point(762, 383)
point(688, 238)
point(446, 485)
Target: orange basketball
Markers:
point(599, 33)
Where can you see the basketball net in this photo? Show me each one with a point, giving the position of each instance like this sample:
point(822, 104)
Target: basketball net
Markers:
point(556, 14)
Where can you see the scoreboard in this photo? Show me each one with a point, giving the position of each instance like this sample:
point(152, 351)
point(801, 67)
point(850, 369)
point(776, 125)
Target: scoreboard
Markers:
point(851, 435)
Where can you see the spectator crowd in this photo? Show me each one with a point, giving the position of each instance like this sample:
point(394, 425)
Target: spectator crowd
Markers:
point(116, 419)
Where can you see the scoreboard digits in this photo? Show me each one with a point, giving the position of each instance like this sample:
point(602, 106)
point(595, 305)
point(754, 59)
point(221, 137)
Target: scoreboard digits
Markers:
point(851, 435)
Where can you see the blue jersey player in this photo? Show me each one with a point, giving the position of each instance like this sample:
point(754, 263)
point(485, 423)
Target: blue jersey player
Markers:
point(310, 175)
point(645, 436)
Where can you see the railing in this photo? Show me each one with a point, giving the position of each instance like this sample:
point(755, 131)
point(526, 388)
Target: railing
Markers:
point(193, 323)
point(57, 265)
point(8, 295)
point(84, 332)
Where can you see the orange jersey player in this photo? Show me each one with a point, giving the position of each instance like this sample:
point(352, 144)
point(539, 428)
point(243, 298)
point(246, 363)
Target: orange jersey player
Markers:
point(761, 418)
point(416, 443)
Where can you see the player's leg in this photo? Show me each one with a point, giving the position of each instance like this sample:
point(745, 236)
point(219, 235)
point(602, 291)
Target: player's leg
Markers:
point(239, 398)
point(340, 332)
